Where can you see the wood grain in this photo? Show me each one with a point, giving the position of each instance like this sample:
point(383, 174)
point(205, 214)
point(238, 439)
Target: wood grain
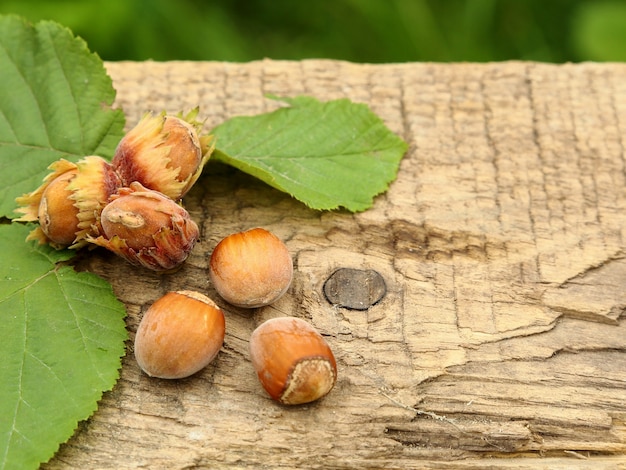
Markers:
point(501, 340)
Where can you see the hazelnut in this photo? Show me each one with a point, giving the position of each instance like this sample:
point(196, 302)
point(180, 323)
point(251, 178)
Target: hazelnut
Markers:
point(251, 269)
point(293, 361)
point(147, 228)
point(180, 334)
point(57, 215)
point(68, 202)
point(164, 153)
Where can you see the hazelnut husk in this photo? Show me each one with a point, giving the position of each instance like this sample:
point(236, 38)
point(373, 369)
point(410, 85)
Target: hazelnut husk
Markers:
point(67, 205)
point(165, 153)
point(146, 228)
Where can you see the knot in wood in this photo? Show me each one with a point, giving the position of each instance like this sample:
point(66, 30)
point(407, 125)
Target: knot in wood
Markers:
point(354, 289)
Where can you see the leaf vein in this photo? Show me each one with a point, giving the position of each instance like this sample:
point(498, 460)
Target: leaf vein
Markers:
point(19, 385)
point(80, 328)
point(31, 91)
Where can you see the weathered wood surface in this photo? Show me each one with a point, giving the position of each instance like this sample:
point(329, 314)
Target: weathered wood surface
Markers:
point(502, 244)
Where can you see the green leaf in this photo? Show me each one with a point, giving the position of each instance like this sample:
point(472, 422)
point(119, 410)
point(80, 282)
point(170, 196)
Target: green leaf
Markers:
point(55, 101)
point(325, 154)
point(63, 335)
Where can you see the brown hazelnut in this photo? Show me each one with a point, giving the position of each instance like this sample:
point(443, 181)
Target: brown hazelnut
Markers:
point(293, 361)
point(68, 202)
point(180, 334)
point(164, 153)
point(57, 215)
point(251, 269)
point(147, 229)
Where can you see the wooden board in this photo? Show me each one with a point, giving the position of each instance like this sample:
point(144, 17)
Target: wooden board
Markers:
point(501, 339)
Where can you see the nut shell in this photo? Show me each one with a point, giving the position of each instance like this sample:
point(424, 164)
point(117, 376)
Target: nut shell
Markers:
point(57, 214)
point(68, 202)
point(251, 269)
point(164, 153)
point(293, 361)
point(147, 229)
point(180, 334)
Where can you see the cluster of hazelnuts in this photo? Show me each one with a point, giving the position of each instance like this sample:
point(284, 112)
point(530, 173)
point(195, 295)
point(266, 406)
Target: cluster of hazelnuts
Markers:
point(183, 331)
point(132, 206)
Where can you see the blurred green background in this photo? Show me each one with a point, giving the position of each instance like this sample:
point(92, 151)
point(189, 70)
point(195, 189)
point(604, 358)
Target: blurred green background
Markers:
point(356, 30)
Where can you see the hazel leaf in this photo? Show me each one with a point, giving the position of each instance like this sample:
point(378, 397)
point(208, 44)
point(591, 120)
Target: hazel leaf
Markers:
point(325, 154)
point(55, 102)
point(63, 335)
